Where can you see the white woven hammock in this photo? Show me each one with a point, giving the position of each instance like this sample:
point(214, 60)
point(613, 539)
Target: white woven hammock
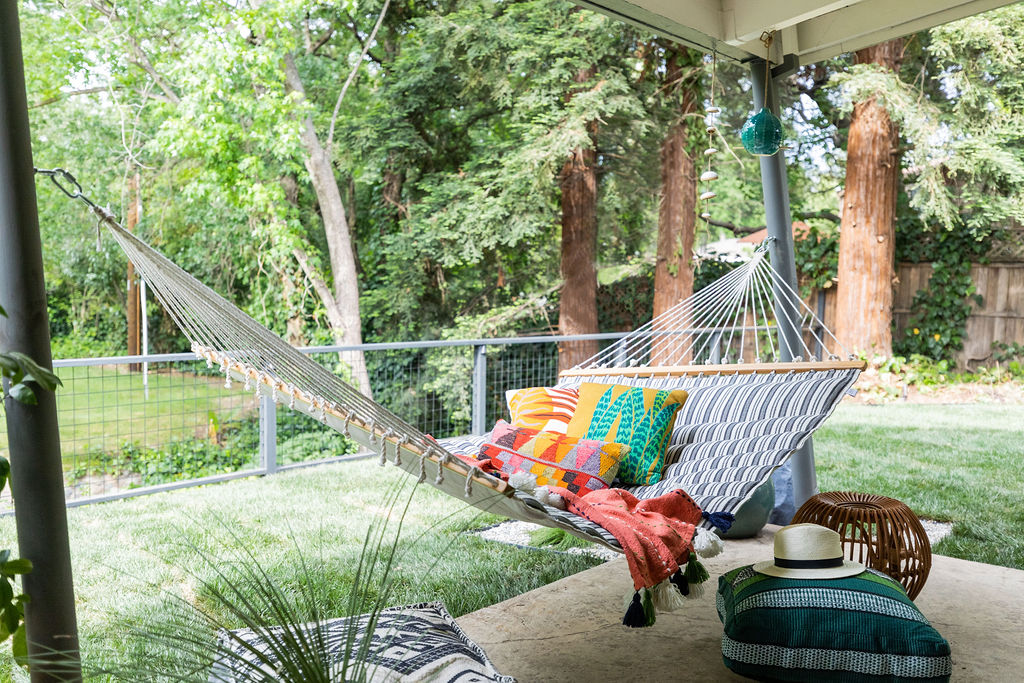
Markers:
point(249, 353)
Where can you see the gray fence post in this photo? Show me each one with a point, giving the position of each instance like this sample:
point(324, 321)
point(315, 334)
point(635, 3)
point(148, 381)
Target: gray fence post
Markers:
point(268, 435)
point(478, 425)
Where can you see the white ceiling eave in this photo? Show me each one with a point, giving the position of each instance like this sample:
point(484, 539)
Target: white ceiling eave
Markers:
point(813, 30)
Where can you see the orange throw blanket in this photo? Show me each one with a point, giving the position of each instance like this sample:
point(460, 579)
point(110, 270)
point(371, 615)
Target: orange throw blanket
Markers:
point(656, 534)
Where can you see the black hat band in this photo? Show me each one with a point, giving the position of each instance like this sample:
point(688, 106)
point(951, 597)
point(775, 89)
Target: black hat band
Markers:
point(809, 564)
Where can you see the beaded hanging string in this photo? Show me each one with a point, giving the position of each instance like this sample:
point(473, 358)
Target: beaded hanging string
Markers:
point(711, 115)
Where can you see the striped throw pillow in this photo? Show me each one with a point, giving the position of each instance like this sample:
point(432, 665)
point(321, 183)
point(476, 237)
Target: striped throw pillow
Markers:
point(546, 409)
point(859, 628)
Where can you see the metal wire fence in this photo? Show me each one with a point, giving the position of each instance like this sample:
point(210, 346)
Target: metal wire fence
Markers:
point(137, 424)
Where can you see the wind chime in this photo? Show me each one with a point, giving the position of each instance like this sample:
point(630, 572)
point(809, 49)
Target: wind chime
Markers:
point(762, 133)
point(711, 121)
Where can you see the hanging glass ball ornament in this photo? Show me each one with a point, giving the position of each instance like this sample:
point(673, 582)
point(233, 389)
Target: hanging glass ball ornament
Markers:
point(762, 134)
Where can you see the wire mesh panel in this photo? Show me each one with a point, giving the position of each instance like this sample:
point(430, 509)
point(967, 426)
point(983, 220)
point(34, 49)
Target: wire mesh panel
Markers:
point(516, 366)
point(123, 429)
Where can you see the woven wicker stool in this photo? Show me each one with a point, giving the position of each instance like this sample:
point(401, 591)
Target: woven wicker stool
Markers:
point(882, 533)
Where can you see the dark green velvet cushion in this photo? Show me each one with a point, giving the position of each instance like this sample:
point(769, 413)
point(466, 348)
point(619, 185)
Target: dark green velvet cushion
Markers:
point(860, 628)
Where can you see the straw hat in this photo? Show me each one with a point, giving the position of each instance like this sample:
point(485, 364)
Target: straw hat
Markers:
point(808, 551)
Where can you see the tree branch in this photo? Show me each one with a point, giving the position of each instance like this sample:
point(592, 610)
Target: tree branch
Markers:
point(750, 229)
point(736, 229)
point(71, 93)
point(139, 56)
point(322, 290)
point(352, 74)
point(321, 41)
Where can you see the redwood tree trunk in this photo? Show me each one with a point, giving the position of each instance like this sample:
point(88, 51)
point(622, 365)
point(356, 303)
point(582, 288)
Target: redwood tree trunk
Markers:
point(867, 231)
point(577, 313)
point(673, 270)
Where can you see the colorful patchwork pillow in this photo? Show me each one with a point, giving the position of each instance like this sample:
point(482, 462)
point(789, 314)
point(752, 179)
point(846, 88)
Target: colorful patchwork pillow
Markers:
point(635, 416)
point(543, 408)
point(580, 465)
point(857, 628)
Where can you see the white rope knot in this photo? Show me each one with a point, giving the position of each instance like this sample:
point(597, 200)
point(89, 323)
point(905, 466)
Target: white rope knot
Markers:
point(398, 449)
point(469, 481)
point(423, 463)
point(291, 396)
point(384, 446)
point(248, 382)
point(348, 418)
point(373, 431)
point(440, 468)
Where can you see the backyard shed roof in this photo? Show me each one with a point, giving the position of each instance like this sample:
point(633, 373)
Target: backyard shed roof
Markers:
point(812, 30)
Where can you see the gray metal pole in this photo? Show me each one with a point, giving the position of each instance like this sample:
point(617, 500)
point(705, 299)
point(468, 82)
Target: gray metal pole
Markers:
point(37, 478)
point(779, 221)
point(268, 434)
point(479, 416)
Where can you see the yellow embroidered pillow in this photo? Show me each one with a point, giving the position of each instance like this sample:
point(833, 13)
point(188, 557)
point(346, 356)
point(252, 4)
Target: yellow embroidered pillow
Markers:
point(545, 409)
point(635, 416)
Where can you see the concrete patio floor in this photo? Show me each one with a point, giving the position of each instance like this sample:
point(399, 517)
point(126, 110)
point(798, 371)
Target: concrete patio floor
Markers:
point(571, 630)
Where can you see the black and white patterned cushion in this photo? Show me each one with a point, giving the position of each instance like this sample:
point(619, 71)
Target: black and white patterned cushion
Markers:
point(411, 643)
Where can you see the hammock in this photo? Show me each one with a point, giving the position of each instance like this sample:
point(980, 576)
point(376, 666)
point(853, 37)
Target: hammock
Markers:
point(739, 424)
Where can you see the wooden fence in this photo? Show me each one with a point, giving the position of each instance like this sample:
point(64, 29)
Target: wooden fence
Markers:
point(1000, 317)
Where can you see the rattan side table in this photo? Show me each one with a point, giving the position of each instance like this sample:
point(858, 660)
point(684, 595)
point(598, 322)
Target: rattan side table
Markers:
point(882, 533)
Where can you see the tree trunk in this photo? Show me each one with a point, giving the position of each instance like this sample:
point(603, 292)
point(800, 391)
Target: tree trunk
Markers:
point(343, 302)
point(673, 270)
point(132, 305)
point(577, 313)
point(867, 231)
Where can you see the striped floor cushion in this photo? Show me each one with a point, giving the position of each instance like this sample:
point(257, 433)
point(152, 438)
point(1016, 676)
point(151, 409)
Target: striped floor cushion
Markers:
point(859, 628)
point(412, 643)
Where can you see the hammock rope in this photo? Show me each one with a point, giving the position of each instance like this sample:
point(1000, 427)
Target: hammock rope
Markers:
point(693, 331)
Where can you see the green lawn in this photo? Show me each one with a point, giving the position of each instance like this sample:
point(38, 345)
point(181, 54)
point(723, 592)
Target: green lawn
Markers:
point(100, 408)
point(958, 463)
point(130, 555)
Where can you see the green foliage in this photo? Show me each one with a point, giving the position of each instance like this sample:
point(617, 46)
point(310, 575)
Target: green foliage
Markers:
point(174, 461)
point(817, 258)
point(556, 539)
point(925, 372)
point(627, 302)
point(938, 317)
point(1010, 353)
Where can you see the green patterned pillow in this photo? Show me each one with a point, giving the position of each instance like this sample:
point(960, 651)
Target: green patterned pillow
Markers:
point(858, 628)
point(638, 417)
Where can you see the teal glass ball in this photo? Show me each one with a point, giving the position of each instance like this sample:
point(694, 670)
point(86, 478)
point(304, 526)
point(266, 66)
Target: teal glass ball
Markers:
point(762, 134)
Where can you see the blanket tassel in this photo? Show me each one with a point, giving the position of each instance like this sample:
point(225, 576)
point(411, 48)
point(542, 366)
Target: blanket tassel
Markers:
point(695, 575)
point(722, 520)
point(668, 597)
point(679, 581)
point(640, 613)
